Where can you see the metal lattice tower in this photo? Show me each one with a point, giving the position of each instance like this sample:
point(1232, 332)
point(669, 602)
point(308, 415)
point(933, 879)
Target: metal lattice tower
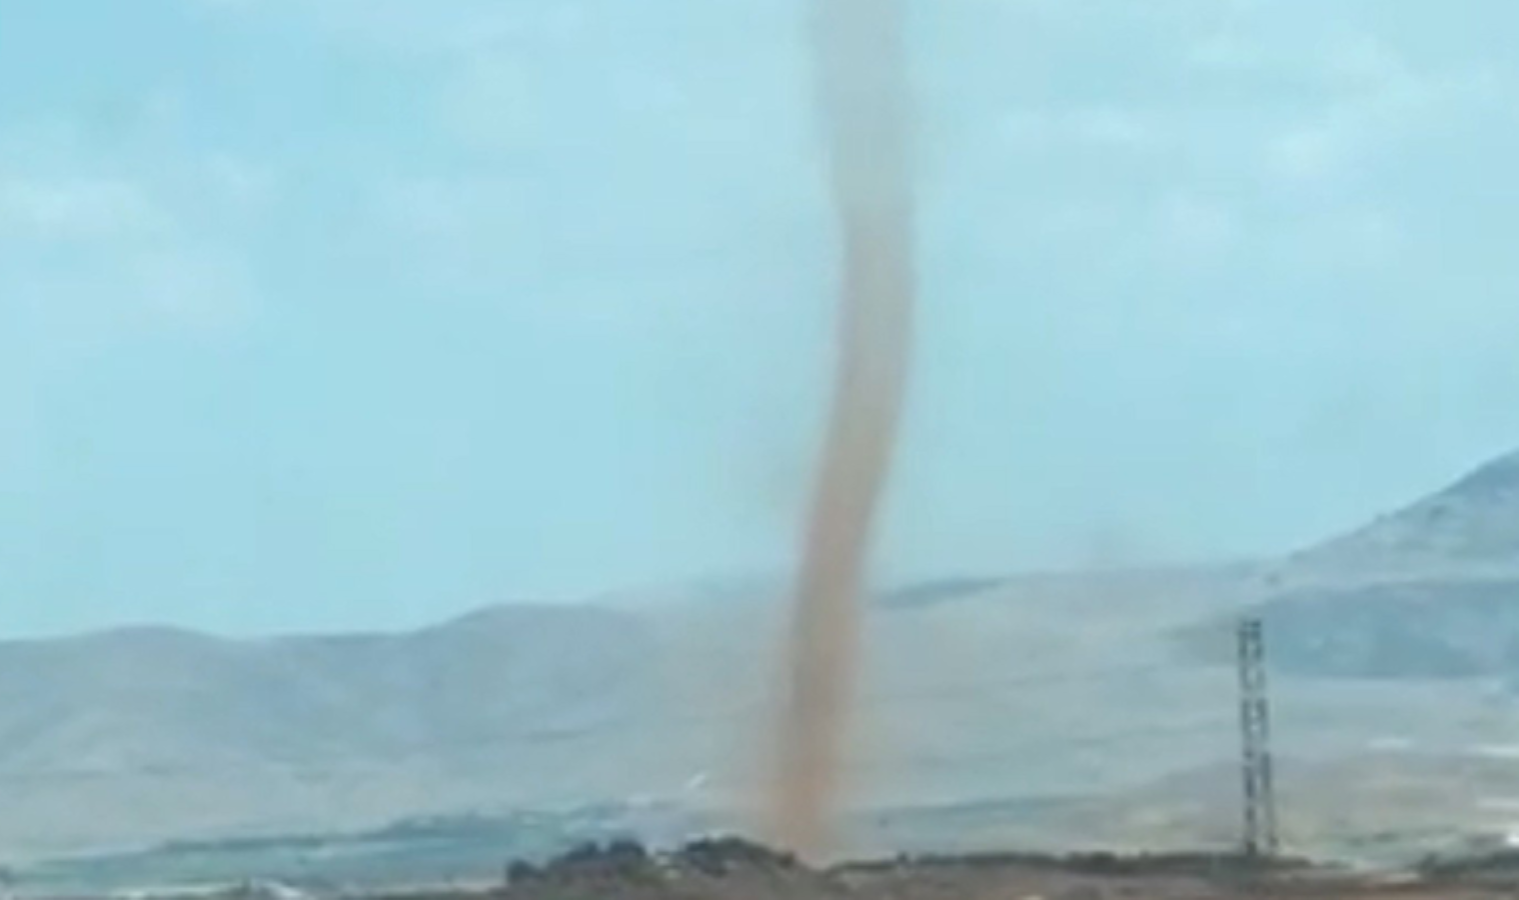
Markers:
point(1255, 741)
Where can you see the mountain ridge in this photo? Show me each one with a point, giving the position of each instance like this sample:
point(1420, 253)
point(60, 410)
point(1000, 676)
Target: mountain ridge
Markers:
point(1468, 526)
point(146, 734)
point(1427, 591)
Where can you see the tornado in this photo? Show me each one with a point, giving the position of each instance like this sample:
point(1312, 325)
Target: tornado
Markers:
point(864, 101)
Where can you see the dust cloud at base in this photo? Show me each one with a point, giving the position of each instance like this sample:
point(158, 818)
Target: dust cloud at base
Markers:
point(863, 97)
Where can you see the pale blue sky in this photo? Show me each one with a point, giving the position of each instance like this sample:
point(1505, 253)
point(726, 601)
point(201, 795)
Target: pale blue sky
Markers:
point(322, 313)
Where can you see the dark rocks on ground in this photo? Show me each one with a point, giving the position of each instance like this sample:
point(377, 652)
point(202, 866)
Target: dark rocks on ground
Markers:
point(727, 867)
point(735, 869)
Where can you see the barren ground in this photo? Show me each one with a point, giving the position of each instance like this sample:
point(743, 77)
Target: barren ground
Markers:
point(737, 871)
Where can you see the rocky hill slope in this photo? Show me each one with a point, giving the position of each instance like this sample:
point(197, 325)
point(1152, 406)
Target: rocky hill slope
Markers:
point(977, 691)
point(1428, 591)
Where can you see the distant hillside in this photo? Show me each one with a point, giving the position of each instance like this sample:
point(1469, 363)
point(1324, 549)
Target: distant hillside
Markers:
point(1017, 688)
point(261, 734)
point(1401, 630)
point(161, 698)
point(1470, 527)
point(127, 739)
point(1429, 591)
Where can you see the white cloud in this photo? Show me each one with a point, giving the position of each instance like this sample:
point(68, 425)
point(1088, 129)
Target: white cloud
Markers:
point(1363, 59)
point(1115, 127)
point(1226, 53)
point(85, 253)
point(1079, 221)
point(73, 208)
point(495, 102)
point(1310, 152)
point(198, 289)
point(412, 28)
point(245, 184)
point(1365, 238)
point(1112, 127)
point(1375, 99)
point(1195, 226)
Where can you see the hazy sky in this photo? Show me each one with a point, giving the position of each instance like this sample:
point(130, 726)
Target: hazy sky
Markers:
point(321, 313)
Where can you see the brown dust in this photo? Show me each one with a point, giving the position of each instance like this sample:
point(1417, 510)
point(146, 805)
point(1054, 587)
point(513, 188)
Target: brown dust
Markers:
point(864, 101)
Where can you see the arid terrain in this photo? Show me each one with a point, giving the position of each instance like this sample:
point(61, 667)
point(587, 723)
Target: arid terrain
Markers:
point(734, 870)
point(1038, 713)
